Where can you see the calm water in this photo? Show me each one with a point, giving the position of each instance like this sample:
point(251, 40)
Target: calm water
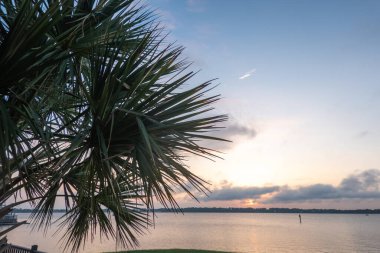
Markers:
point(240, 233)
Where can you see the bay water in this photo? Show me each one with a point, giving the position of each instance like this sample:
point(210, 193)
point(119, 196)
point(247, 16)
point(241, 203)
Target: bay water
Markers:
point(235, 232)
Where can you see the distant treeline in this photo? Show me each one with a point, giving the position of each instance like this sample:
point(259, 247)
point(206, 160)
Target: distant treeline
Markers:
point(270, 210)
point(244, 210)
point(21, 210)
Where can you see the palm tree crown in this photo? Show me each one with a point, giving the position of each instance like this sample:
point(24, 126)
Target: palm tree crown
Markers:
point(96, 109)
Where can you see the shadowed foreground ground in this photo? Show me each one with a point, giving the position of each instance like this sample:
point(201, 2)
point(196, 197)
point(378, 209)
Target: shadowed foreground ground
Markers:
point(172, 251)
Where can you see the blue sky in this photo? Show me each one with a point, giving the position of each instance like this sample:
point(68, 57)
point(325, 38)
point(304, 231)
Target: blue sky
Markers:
point(300, 82)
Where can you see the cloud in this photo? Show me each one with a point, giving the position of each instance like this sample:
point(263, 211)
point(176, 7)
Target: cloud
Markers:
point(312, 192)
point(360, 186)
point(368, 180)
point(239, 193)
point(248, 74)
point(362, 134)
point(236, 129)
point(232, 132)
point(364, 185)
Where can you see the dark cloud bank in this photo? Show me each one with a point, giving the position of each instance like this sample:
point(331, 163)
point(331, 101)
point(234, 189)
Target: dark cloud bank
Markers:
point(240, 193)
point(365, 185)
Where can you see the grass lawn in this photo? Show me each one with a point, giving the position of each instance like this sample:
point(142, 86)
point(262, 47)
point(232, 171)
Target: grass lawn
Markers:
point(172, 251)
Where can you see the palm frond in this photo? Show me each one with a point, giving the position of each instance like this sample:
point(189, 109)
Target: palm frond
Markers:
point(98, 110)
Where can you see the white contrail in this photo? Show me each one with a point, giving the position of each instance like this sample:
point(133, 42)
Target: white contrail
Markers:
point(248, 74)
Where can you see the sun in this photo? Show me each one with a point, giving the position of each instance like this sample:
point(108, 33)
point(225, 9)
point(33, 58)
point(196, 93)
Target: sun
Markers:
point(250, 203)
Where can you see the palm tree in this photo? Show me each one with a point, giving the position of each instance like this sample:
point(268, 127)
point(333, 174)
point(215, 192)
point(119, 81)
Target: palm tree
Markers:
point(96, 109)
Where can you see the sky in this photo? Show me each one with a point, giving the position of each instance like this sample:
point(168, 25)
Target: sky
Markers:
point(300, 82)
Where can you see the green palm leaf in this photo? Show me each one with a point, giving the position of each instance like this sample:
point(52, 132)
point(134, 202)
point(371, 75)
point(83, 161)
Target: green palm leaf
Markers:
point(97, 111)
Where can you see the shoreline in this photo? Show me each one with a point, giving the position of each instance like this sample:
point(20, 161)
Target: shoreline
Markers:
point(170, 251)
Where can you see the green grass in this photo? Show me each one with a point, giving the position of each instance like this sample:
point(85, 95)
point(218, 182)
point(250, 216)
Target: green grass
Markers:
point(172, 251)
